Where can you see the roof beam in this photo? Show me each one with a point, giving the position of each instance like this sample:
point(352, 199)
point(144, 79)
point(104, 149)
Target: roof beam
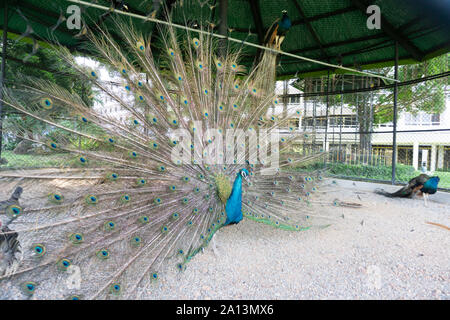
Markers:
point(311, 30)
point(242, 42)
point(30, 11)
point(389, 29)
point(355, 40)
point(325, 15)
point(340, 43)
point(310, 19)
point(160, 13)
point(256, 13)
point(379, 45)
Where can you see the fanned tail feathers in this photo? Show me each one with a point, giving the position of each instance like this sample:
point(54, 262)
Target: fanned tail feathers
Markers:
point(124, 208)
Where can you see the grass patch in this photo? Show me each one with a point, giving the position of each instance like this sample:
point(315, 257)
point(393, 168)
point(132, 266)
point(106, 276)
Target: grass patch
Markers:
point(45, 161)
point(445, 179)
point(403, 173)
point(33, 161)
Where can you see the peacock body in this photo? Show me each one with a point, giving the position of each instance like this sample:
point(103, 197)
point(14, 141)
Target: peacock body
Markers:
point(200, 150)
point(422, 183)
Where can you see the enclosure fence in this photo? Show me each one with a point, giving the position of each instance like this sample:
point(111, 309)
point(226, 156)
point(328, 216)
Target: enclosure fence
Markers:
point(349, 116)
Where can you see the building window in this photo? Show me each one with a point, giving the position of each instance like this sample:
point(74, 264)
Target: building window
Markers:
point(422, 119)
point(435, 119)
point(295, 99)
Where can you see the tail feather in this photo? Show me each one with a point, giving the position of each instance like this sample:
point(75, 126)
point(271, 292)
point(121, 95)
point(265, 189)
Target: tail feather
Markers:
point(129, 208)
point(385, 193)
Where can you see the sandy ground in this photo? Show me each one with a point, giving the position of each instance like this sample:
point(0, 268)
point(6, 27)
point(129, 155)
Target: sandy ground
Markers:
point(383, 250)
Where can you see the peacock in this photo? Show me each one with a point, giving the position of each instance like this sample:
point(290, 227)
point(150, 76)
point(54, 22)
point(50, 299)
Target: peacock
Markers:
point(200, 149)
point(10, 249)
point(423, 184)
point(277, 32)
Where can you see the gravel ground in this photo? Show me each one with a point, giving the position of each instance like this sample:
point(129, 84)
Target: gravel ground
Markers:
point(383, 250)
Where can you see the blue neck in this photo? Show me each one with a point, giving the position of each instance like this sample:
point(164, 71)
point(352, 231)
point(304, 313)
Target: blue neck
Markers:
point(233, 207)
point(285, 22)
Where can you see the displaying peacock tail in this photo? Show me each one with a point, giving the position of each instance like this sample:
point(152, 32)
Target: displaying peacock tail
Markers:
point(199, 150)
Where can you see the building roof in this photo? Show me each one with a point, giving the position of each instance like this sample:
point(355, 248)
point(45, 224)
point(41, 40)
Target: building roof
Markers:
point(332, 31)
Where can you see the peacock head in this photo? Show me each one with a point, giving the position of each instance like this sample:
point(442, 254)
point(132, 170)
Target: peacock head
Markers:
point(244, 174)
point(435, 180)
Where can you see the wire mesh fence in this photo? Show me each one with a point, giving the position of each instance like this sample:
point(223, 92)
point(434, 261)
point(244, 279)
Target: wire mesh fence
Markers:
point(349, 116)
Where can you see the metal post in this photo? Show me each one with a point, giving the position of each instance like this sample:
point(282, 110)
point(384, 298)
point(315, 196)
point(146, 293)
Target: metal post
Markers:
point(358, 124)
point(394, 120)
point(304, 118)
point(326, 119)
point(285, 98)
point(223, 25)
point(341, 120)
point(370, 126)
point(313, 146)
point(3, 72)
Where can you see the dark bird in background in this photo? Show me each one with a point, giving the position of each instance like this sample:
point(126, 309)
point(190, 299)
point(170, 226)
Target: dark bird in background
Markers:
point(13, 200)
point(423, 184)
point(115, 5)
point(10, 249)
point(277, 32)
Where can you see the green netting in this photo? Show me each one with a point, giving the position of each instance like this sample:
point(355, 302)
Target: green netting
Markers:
point(340, 26)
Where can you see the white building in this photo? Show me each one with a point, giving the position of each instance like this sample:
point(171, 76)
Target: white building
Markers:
point(104, 104)
point(413, 148)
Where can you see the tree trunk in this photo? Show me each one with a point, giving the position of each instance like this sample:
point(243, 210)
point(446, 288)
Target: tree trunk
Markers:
point(365, 126)
point(24, 146)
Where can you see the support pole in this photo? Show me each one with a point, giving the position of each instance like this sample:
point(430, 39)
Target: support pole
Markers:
point(285, 98)
point(341, 120)
point(3, 72)
point(370, 125)
point(433, 157)
point(325, 146)
point(223, 26)
point(304, 118)
point(415, 161)
point(394, 120)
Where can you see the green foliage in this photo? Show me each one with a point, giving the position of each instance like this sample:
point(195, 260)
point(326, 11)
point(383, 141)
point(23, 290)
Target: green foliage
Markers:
point(445, 179)
point(10, 145)
point(46, 65)
point(427, 96)
point(48, 160)
point(403, 172)
point(32, 161)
